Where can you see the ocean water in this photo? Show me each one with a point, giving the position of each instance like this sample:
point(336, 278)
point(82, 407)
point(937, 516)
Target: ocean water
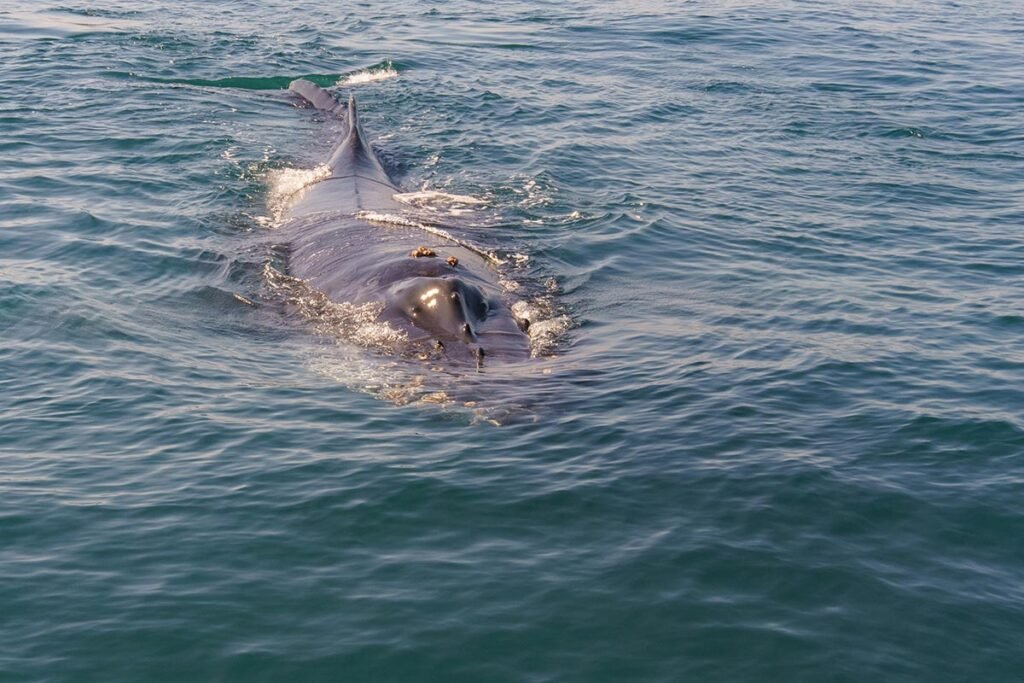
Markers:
point(774, 429)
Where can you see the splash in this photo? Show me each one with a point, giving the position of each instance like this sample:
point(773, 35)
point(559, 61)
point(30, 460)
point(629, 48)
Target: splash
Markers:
point(388, 381)
point(547, 327)
point(436, 202)
point(433, 197)
point(355, 323)
point(533, 193)
point(371, 75)
point(284, 182)
point(546, 335)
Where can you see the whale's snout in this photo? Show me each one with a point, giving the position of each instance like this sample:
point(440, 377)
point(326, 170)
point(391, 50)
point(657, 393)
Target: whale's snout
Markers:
point(447, 307)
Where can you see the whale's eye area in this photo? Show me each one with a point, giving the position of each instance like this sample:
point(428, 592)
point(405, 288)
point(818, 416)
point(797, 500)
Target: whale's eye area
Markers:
point(414, 311)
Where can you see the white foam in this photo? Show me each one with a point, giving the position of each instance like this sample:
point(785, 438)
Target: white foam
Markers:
point(533, 194)
point(391, 219)
point(282, 183)
point(377, 334)
point(360, 372)
point(545, 334)
point(509, 285)
point(371, 75)
point(433, 197)
point(434, 201)
point(524, 310)
point(355, 323)
point(376, 217)
point(546, 329)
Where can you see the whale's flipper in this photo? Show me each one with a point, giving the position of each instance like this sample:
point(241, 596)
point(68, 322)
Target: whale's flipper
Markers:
point(318, 97)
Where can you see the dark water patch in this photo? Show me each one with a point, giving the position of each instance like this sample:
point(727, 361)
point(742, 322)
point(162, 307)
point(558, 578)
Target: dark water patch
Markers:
point(906, 133)
point(241, 82)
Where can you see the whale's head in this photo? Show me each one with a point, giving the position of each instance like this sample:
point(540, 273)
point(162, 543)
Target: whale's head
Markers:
point(448, 308)
point(447, 305)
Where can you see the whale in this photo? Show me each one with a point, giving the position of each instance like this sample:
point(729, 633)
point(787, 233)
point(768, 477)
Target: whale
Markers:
point(440, 293)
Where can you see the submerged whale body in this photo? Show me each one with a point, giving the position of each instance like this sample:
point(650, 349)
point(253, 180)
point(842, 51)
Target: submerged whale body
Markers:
point(441, 294)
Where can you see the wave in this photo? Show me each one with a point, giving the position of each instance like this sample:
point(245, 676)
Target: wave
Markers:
point(372, 74)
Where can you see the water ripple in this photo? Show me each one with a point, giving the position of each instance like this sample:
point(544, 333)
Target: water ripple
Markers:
point(781, 440)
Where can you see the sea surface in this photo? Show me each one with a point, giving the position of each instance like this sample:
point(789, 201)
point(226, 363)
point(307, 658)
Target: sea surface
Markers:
point(774, 425)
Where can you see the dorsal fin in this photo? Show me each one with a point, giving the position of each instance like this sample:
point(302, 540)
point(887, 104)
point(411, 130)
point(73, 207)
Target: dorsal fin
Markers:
point(318, 97)
point(354, 138)
point(353, 115)
point(353, 155)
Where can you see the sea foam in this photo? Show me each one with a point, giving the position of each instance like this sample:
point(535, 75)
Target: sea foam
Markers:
point(371, 75)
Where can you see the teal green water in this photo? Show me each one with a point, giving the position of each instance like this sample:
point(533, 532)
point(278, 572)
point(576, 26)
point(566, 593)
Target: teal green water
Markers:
point(778, 436)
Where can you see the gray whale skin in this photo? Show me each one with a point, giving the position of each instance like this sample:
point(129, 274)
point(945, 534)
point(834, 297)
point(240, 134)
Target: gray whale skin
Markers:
point(453, 306)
